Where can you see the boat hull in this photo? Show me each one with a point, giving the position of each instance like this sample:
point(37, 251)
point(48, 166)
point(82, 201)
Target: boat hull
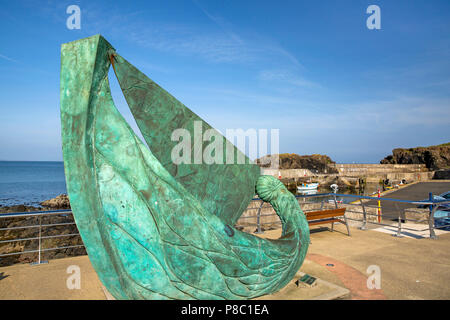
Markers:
point(308, 186)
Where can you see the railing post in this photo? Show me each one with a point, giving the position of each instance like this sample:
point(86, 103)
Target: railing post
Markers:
point(258, 219)
point(432, 209)
point(40, 241)
point(399, 226)
point(336, 205)
point(40, 238)
point(335, 201)
point(364, 225)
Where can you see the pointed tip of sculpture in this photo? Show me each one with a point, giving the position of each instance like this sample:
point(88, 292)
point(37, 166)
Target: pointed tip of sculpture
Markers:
point(99, 36)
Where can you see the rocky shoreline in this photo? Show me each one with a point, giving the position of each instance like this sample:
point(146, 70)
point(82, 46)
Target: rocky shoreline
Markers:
point(317, 163)
point(67, 230)
point(434, 157)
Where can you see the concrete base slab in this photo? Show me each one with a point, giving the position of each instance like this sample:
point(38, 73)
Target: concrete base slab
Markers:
point(322, 290)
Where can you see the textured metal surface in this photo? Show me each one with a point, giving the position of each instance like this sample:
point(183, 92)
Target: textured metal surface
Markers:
point(151, 233)
point(224, 189)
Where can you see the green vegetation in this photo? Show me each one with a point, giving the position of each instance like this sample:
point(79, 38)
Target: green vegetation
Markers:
point(443, 145)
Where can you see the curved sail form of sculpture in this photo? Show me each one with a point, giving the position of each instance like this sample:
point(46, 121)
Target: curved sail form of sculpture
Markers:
point(152, 229)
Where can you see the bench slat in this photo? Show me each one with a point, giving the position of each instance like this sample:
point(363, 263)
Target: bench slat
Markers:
point(323, 216)
point(314, 215)
point(324, 221)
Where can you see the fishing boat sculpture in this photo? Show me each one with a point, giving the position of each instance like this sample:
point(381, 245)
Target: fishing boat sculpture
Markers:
point(154, 229)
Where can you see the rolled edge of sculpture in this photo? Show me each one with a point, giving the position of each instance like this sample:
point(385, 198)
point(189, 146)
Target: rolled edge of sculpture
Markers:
point(146, 234)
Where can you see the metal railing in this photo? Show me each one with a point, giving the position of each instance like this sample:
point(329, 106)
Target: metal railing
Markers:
point(430, 218)
point(432, 205)
point(38, 215)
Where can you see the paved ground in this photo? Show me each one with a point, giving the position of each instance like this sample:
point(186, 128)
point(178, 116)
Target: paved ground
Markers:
point(410, 230)
point(409, 268)
point(416, 192)
point(52, 281)
point(49, 281)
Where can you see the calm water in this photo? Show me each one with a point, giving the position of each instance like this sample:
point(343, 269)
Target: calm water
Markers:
point(370, 190)
point(30, 182)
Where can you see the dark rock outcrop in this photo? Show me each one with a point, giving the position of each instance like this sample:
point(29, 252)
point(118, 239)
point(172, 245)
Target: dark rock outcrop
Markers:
point(317, 163)
point(60, 202)
point(442, 174)
point(434, 157)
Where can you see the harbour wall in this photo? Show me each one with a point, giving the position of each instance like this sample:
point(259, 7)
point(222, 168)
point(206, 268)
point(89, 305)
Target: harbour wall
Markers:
point(350, 173)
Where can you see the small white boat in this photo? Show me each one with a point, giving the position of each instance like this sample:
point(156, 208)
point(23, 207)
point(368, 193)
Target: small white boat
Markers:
point(334, 187)
point(308, 186)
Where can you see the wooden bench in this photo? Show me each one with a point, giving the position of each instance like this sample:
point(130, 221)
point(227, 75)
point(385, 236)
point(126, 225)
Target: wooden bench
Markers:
point(327, 216)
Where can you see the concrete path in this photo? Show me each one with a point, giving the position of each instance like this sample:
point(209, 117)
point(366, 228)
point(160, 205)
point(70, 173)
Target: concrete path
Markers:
point(415, 192)
point(410, 268)
point(51, 281)
point(410, 230)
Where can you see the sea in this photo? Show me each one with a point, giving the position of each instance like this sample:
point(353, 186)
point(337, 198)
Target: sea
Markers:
point(30, 182)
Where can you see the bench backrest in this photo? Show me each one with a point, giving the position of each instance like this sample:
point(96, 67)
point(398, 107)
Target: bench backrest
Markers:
point(315, 215)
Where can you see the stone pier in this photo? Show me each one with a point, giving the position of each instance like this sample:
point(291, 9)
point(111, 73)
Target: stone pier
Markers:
point(348, 174)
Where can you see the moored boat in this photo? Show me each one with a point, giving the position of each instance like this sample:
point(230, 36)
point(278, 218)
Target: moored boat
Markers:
point(308, 186)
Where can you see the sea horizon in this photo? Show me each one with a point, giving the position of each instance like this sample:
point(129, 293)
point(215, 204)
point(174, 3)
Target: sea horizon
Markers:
point(30, 182)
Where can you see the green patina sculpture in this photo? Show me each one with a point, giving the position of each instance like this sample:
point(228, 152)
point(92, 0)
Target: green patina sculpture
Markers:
point(154, 229)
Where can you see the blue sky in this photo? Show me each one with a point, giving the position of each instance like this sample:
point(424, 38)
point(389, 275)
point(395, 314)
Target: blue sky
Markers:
point(309, 68)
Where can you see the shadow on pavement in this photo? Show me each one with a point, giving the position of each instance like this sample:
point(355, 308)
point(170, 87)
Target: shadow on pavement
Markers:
point(2, 275)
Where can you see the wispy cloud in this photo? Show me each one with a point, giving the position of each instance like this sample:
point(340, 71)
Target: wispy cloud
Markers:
point(404, 114)
point(285, 77)
point(397, 113)
point(223, 44)
point(7, 58)
point(184, 40)
point(266, 46)
point(222, 23)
